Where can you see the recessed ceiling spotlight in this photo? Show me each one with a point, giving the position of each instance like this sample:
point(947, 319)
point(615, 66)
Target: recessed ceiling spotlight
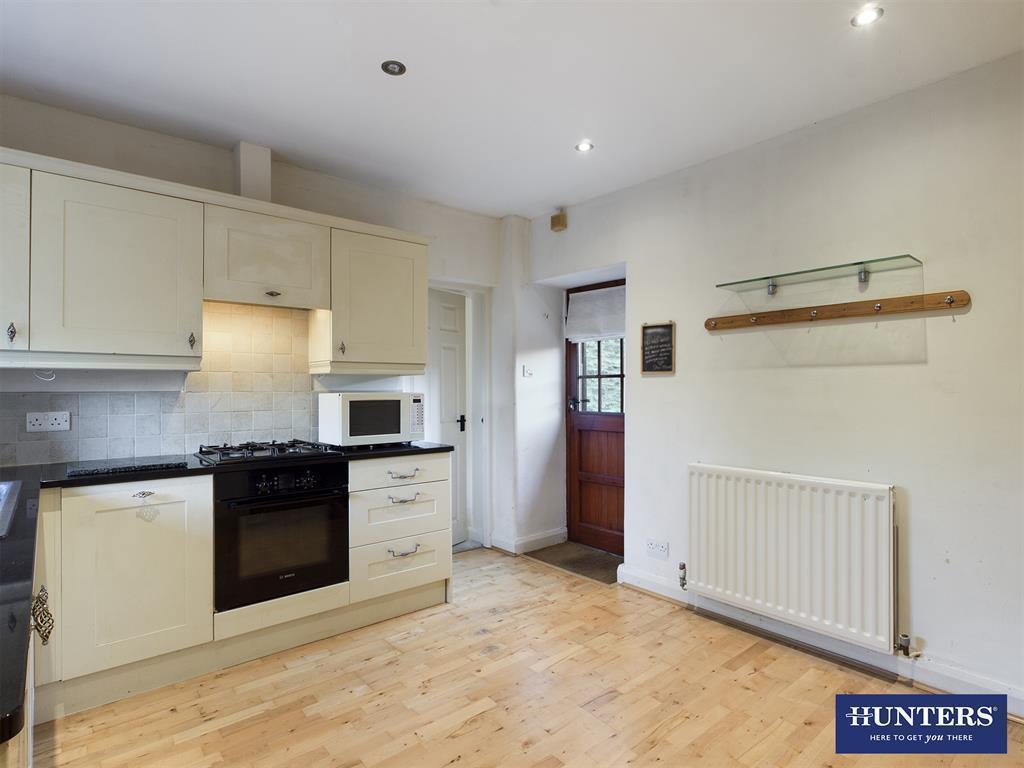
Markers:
point(585, 146)
point(869, 14)
point(392, 67)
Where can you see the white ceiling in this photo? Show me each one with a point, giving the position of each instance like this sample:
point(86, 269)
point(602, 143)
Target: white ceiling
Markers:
point(497, 92)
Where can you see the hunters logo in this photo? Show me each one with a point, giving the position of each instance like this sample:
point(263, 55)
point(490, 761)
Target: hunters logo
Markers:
point(923, 723)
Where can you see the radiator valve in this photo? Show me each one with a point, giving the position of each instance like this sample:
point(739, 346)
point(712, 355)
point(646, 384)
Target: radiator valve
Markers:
point(682, 575)
point(903, 646)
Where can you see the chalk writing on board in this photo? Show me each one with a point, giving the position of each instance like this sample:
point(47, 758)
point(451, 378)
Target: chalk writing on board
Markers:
point(658, 348)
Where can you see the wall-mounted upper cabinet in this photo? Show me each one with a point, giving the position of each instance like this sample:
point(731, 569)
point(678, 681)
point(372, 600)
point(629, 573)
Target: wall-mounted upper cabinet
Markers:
point(114, 270)
point(15, 184)
point(378, 317)
point(101, 269)
point(258, 259)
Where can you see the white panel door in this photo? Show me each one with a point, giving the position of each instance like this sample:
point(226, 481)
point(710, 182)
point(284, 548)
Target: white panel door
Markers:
point(258, 259)
point(137, 571)
point(446, 394)
point(15, 184)
point(378, 299)
point(114, 270)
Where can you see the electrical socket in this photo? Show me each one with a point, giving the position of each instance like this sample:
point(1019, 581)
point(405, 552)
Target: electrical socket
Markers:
point(51, 421)
point(657, 549)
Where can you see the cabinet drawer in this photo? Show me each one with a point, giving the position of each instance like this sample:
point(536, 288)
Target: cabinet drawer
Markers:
point(403, 470)
point(382, 514)
point(391, 566)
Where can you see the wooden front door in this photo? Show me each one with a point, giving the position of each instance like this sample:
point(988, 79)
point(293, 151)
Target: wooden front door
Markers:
point(595, 430)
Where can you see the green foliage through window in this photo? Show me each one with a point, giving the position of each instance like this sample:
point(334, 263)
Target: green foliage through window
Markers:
point(601, 379)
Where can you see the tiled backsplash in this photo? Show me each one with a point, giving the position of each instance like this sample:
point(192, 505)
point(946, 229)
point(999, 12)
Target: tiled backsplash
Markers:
point(254, 385)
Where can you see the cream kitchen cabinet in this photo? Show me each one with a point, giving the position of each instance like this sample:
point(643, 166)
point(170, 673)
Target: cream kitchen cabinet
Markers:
point(114, 270)
point(381, 569)
point(258, 259)
point(15, 185)
point(400, 518)
point(47, 589)
point(136, 571)
point(378, 317)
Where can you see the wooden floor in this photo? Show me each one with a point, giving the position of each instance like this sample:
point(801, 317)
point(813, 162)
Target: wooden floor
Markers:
point(528, 666)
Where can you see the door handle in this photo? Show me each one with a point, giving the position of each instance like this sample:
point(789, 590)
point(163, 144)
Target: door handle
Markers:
point(409, 500)
point(42, 617)
point(11, 332)
point(462, 423)
point(406, 553)
point(403, 476)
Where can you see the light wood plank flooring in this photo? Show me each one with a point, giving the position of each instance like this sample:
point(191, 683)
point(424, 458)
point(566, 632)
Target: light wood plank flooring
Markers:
point(528, 666)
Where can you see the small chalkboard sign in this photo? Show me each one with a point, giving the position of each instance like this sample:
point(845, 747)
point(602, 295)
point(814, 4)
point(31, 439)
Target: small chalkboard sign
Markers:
point(658, 348)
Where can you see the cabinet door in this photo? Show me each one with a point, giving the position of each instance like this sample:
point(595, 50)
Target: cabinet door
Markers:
point(378, 299)
point(137, 571)
point(257, 259)
point(14, 217)
point(114, 270)
point(47, 576)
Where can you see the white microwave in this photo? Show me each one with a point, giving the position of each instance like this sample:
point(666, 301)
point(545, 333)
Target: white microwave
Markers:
point(370, 418)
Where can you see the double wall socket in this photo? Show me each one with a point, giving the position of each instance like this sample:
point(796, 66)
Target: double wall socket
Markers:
point(657, 549)
point(52, 421)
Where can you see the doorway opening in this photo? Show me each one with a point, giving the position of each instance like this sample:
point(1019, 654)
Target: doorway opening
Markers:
point(595, 382)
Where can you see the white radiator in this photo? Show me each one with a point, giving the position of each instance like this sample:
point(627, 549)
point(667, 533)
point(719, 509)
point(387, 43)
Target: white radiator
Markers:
point(809, 551)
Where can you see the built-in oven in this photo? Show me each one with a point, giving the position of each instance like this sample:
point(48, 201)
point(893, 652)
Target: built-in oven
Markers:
point(279, 531)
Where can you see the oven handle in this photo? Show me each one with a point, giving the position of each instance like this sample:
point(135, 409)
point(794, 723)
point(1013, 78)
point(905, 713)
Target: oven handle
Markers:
point(260, 502)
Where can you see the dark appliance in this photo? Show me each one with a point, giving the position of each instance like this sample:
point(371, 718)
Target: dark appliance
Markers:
point(252, 452)
point(280, 526)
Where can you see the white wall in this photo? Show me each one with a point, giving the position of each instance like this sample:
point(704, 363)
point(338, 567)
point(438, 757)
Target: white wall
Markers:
point(936, 173)
point(529, 450)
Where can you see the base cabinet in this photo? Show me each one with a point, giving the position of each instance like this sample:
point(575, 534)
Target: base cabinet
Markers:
point(400, 519)
point(47, 588)
point(137, 571)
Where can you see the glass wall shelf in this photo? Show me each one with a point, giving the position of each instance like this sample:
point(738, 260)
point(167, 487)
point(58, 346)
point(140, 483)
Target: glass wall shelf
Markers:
point(870, 266)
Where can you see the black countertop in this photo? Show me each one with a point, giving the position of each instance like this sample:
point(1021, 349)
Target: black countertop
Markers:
point(19, 505)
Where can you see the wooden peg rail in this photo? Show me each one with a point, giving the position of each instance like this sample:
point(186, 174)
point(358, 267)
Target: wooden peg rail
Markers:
point(927, 302)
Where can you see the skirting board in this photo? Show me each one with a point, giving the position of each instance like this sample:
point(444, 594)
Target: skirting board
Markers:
point(70, 696)
point(531, 542)
point(923, 670)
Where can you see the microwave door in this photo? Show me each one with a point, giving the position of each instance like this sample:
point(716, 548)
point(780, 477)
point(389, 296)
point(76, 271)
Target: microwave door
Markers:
point(375, 421)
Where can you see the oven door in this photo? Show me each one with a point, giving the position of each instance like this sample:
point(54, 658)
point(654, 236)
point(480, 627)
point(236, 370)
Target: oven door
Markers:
point(272, 548)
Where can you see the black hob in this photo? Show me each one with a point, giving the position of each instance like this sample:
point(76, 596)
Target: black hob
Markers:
point(262, 451)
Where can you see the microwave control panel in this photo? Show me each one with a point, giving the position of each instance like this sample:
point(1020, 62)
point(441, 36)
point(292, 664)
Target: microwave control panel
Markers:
point(417, 414)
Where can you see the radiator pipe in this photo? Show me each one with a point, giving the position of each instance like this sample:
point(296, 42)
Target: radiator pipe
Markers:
point(682, 575)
